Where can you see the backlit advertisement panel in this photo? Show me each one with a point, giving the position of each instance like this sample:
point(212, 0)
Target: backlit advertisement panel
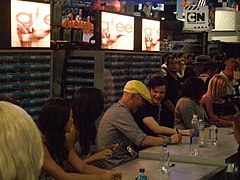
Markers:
point(150, 35)
point(30, 24)
point(117, 31)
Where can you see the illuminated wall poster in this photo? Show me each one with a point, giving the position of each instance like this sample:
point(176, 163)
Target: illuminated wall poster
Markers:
point(117, 31)
point(150, 35)
point(30, 24)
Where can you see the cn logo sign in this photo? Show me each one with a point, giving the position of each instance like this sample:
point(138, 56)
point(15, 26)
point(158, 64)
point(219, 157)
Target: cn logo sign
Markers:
point(195, 17)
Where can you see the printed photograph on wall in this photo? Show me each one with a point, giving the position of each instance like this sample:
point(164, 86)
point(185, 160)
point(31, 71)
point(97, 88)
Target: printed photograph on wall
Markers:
point(150, 35)
point(117, 31)
point(30, 24)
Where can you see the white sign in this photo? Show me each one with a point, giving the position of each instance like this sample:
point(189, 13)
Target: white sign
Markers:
point(196, 18)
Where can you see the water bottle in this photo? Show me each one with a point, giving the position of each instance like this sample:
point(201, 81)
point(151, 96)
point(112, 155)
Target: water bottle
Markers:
point(141, 175)
point(201, 131)
point(194, 138)
point(213, 134)
point(164, 159)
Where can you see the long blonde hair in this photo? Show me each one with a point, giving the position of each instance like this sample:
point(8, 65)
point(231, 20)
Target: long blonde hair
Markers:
point(218, 87)
point(20, 144)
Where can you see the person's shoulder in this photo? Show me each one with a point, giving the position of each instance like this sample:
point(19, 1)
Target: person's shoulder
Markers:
point(185, 100)
point(115, 111)
point(206, 98)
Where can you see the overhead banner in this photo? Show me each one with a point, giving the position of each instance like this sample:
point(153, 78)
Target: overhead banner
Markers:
point(196, 18)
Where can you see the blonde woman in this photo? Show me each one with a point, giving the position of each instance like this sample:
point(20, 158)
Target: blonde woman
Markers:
point(217, 89)
point(21, 145)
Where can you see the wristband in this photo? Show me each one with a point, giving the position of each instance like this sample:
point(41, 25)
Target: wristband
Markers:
point(167, 141)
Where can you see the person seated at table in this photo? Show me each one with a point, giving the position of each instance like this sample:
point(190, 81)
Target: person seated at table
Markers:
point(88, 105)
point(117, 126)
point(236, 132)
point(60, 159)
point(21, 145)
point(147, 116)
point(188, 104)
point(217, 89)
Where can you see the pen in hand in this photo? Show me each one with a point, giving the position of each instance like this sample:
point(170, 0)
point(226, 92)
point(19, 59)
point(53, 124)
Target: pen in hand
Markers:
point(179, 135)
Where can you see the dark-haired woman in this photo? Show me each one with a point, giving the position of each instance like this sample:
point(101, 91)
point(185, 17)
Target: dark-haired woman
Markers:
point(55, 120)
point(88, 105)
point(188, 104)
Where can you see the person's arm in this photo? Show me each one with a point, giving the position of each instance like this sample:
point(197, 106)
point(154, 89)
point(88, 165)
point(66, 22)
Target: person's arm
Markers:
point(70, 139)
point(236, 131)
point(214, 117)
point(80, 166)
point(153, 125)
point(103, 154)
point(53, 169)
point(236, 126)
point(157, 141)
point(73, 158)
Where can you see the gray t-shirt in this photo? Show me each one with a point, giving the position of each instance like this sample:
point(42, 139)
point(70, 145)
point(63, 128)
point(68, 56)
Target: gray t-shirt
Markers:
point(184, 111)
point(118, 126)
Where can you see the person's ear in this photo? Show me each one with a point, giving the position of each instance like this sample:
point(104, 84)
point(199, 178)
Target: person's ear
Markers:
point(134, 97)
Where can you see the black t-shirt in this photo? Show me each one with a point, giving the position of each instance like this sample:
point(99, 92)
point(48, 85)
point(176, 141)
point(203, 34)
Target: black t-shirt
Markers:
point(148, 110)
point(173, 85)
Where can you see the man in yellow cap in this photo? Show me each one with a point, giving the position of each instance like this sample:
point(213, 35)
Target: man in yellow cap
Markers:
point(117, 126)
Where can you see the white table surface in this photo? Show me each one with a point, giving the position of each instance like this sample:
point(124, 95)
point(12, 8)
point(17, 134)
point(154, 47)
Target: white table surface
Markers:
point(209, 155)
point(181, 171)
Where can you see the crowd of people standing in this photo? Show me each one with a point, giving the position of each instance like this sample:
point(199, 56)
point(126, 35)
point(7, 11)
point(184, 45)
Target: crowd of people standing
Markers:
point(77, 138)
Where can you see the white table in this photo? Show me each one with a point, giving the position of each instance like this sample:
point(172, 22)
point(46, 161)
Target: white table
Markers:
point(215, 155)
point(181, 171)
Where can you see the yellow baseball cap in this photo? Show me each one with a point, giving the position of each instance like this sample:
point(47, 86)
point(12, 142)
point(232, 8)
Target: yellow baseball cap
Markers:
point(137, 87)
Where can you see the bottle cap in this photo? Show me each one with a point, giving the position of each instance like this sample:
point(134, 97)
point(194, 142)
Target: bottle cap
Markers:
point(194, 116)
point(142, 170)
point(164, 145)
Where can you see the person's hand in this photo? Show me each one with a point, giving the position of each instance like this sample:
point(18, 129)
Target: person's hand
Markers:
point(176, 138)
point(70, 138)
point(108, 40)
point(112, 175)
point(30, 32)
point(150, 43)
point(113, 147)
point(103, 154)
point(236, 117)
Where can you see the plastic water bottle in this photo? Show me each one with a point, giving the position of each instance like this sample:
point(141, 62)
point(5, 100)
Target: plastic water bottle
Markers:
point(201, 131)
point(194, 138)
point(164, 159)
point(213, 134)
point(141, 175)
